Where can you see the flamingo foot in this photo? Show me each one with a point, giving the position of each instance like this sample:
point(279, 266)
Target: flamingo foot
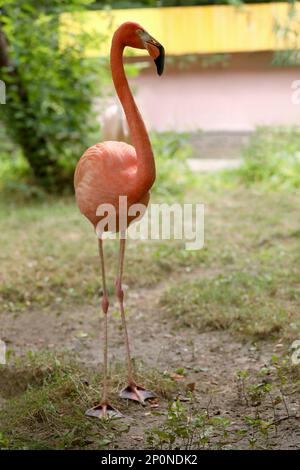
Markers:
point(103, 411)
point(136, 393)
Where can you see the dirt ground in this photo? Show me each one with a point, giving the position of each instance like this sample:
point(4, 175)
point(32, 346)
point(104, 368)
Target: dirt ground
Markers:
point(210, 359)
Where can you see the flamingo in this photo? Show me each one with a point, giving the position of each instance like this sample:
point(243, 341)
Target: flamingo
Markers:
point(114, 125)
point(112, 169)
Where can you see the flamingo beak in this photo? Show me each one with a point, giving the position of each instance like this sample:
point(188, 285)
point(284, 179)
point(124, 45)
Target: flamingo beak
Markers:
point(160, 59)
point(155, 49)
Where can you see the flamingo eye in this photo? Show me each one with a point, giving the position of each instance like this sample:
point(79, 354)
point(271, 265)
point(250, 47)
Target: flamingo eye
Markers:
point(145, 37)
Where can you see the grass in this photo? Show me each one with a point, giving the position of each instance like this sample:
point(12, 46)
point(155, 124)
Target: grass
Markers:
point(48, 395)
point(257, 294)
point(247, 274)
point(250, 283)
point(245, 280)
point(49, 412)
point(50, 256)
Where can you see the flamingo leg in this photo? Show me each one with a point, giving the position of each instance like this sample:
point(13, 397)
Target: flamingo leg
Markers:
point(104, 409)
point(132, 391)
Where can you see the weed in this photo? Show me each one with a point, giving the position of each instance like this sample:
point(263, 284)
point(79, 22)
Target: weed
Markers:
point(186, 430)
point(266, 404)
point(268, 395)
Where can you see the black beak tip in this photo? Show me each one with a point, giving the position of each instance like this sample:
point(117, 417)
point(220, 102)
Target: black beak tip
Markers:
point(160, 61)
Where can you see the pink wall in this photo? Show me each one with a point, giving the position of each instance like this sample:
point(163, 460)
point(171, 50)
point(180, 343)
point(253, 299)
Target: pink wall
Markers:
point(247, 93)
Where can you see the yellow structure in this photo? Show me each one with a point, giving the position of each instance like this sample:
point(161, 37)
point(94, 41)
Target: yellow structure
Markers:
point(190, 30)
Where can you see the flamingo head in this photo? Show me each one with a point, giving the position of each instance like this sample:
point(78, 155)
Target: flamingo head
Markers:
point(136, 36)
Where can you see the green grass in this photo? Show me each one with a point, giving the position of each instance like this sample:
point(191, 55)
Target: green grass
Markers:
point(49, 414)
point(247, 276)
point(47, 397)
point(246, 280)
point(251, 281)
point(251, 284)
point(242, 303)
point(49, 256)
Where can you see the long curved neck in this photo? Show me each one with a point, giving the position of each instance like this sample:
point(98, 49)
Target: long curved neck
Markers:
point(139, 136)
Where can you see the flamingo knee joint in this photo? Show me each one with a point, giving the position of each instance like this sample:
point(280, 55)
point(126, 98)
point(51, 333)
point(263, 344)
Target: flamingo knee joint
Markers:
point(119, 290)
point(105, 304)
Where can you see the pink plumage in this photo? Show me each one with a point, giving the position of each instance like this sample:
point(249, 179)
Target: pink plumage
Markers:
point(109, 170)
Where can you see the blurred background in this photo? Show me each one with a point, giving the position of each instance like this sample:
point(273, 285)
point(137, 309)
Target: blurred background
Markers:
point(235, 64)
point(224, 124)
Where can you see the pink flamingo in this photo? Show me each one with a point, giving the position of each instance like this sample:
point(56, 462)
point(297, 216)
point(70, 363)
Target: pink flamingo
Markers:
point(114, 125)
point(112, 169)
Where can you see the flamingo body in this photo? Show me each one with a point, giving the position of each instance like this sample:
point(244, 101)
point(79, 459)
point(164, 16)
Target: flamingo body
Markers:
point(105, 172)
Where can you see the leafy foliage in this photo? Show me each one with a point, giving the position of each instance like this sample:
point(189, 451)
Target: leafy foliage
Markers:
point(49, 90)
point(265, 400)
point(272, 157)
point(288, 30)
point(171, 3)
point(185, 430)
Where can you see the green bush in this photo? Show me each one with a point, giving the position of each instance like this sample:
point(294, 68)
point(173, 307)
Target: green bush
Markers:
point(49, 89)
point(272, 157)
